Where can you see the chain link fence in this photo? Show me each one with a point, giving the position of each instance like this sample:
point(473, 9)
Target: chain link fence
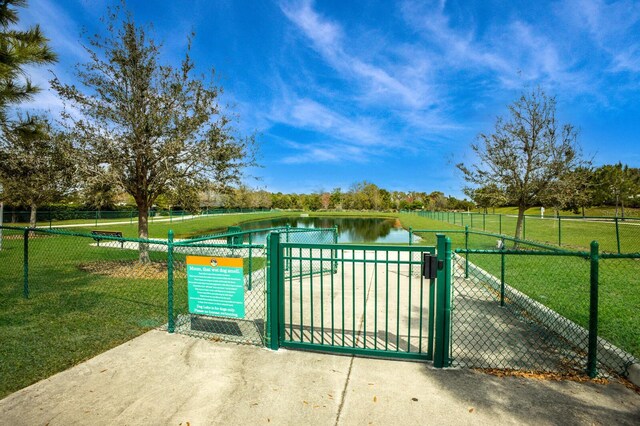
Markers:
point(65, 299)
point(65, 217)
point(614, 234)
point(68, 296)
point(530, 308)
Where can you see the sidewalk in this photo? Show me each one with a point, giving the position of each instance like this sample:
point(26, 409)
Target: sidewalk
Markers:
point(161, 378)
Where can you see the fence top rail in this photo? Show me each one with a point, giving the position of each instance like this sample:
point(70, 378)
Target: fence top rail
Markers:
point(519, 241)
point(441, 231)
point(188, 244)
point(83, 234)
point(254, 231)
point(537, 216)
point(619, 256)
point(582, 254)
point(491, 234)
point(369, 247)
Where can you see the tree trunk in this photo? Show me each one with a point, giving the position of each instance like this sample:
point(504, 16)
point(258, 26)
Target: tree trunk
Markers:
point(32, 217)
point(518, 235)
point(143, 231)
point(583, 211)
point(622, 207)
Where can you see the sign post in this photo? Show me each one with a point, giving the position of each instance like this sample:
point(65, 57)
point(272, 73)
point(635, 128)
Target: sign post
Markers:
point(1, 214)
point(216, 286)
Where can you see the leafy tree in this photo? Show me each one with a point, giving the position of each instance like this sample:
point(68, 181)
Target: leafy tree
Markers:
point(617, 184)
point(526, 153)
point(336, 198)
point(36, 164)
point(100, 192)
point(155, 126)
point(572, 190)
point(325, 200)
point(486, 196)
point(18, 49)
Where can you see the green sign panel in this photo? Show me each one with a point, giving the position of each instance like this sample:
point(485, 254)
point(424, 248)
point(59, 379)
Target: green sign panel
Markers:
point(215, 286)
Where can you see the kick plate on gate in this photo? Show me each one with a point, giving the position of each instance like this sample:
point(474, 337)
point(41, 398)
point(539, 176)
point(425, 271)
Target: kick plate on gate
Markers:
point(429, 266)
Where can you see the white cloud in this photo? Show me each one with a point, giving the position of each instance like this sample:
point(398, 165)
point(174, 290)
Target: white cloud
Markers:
point(397, 83)
point(614, 27)
point(511, 54)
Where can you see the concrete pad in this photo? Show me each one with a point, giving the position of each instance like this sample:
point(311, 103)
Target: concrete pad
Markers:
point(381, 392)
point(161, 378)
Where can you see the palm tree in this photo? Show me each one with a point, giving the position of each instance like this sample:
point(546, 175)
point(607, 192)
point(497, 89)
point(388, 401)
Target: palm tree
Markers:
point(18, 49)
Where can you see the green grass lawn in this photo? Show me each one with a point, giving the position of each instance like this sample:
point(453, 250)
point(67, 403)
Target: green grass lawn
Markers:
point(591, 211)
point(83, 301)
point(569, 233)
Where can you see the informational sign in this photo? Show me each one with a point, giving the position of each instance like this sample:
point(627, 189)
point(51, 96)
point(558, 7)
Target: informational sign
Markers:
point(216, 286)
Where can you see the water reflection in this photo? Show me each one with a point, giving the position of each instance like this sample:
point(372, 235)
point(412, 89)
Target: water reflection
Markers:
point(351, 229)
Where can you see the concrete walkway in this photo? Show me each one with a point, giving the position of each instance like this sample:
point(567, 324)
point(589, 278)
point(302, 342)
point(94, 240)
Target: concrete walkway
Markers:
point(161, 378)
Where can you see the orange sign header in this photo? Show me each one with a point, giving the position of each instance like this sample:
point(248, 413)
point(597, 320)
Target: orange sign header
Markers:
point(235, 262)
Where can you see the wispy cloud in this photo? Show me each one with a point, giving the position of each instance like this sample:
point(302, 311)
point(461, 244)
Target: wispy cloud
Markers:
point(387, 100)
point(613, 26)
point(397, 84)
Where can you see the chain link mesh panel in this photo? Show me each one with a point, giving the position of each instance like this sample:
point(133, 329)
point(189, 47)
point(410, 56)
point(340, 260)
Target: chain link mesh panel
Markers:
point(510, 326)
point(83, 298)
point(615, 235)
point(618, 312)
point(251, 328)
point(530, 311)
point(247, 330)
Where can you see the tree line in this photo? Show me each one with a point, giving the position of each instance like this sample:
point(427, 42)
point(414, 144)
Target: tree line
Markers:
point(365, 196)
point(616, 185)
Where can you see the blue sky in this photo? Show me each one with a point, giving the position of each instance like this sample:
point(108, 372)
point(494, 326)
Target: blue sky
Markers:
point(390, 92)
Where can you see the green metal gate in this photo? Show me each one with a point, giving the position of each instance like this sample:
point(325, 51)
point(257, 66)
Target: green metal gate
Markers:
point(367, 300)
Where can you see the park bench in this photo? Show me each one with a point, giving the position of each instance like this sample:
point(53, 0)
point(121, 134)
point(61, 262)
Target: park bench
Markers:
point(98, 234)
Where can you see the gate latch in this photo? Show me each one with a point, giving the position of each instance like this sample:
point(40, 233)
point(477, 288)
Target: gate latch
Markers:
point(429, 266)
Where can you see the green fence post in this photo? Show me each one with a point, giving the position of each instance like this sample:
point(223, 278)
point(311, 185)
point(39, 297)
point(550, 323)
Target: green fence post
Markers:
point(484, 221)
point(273, 302)
point(288, 265)
point(50, 219)
point(25, 265)
point(500, 222)
point(592, 356)
point(618, 234)
point(471, 214)
point(410, 235)
point(249, 287)
point(466, 255)
point(334, 253)
point(443, 302)
point(559, 231)
point(502, 259)
point(446, 345)
point(170, 318)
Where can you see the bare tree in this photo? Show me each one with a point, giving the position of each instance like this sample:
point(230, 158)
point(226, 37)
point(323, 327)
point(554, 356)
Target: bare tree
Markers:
point(526, 153)
point(154, 126)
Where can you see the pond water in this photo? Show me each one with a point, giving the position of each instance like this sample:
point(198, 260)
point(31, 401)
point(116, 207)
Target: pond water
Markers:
point(350, 229)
